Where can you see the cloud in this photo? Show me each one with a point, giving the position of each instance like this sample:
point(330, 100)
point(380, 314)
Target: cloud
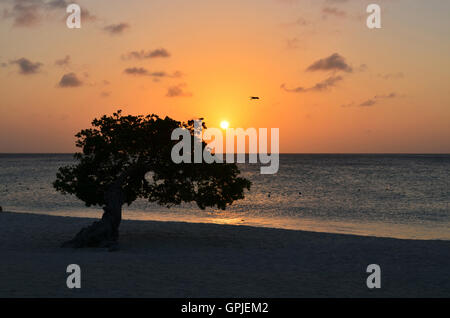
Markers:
point(63, 62)
point(391, 95)
point(299, 22)
point(60, 4)
point(140, 55)
point(177, 74)
point(24, 13)
point(177, 91)
point(298, 89)
point(115, 29)
point(392, 75)
point(26, 67)
point(368, 103)
point(376, 98)
point(136, 71)
point(29, 13)
point(295, 43)
point(141, 71)
point(363, 68)
point(319, 87)
point(334, 62)
point(327, 83)
point(87, 16)
point(70, 80)
point(348, 105)
point(334, 12)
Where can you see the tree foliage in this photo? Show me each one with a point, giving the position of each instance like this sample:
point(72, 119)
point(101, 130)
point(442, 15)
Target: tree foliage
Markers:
point(134, 152)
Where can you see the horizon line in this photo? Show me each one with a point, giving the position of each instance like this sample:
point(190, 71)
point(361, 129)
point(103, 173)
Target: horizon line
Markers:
point(280, 153)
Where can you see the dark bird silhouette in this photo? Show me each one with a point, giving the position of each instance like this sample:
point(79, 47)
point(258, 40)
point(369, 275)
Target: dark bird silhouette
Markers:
point(254, 97)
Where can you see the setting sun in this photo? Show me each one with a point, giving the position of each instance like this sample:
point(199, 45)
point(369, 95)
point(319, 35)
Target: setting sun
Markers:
point(224, 124)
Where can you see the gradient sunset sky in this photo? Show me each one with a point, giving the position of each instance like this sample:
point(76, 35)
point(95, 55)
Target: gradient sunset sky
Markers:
point(327, 81)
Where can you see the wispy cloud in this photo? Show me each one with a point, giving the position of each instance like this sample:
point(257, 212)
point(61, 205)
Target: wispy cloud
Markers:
point(348, 105)
point(26, 67)
point(178, 91)
point(391, 95)
point(61, 4)
point(86, 16)
point(334, 62)
point(141, 71)
point(392, 75)
point(295, 43)
point(140, 55)
point(376, 98)
point(332, 11)
point(63, 62)
point(70, 80)
point(368, 103)
point(318, 87)
point(24, 13)
point(302, 22)
point(116, 29)
point(373, 101)
point(136, 71)
point(29, 13)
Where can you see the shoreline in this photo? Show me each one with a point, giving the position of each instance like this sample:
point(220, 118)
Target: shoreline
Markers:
point(181, 259)
point(366, 229)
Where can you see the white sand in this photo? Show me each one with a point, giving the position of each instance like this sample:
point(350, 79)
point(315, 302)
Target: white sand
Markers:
point(170, 259)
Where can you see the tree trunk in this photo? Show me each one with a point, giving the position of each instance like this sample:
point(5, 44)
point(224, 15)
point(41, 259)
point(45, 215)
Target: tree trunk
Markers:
point(105, 232)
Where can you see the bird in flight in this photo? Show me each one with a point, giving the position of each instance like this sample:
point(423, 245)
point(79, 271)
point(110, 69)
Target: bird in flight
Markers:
point(254, 97)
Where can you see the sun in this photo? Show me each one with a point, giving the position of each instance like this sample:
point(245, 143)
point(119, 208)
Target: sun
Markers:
point(224, 124)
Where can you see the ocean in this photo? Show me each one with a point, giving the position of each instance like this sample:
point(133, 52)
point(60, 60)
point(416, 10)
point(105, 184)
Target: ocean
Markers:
point(399, 196)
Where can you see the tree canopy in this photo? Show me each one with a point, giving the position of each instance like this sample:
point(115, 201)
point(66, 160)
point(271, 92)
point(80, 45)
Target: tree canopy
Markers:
point(134, 153)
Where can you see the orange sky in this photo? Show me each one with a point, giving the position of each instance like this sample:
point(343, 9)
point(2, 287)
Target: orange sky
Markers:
point(384, 90)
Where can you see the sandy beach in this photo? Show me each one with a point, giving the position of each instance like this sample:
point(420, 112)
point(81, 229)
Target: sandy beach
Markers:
point(174, 259)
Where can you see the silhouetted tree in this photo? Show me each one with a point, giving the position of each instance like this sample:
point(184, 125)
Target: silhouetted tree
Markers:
point(128, 157)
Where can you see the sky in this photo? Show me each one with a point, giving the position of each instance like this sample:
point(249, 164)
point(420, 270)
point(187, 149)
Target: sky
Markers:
point(327, 81)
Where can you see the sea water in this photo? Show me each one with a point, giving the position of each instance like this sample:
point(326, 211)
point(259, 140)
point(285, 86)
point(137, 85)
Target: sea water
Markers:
point(401, 196)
